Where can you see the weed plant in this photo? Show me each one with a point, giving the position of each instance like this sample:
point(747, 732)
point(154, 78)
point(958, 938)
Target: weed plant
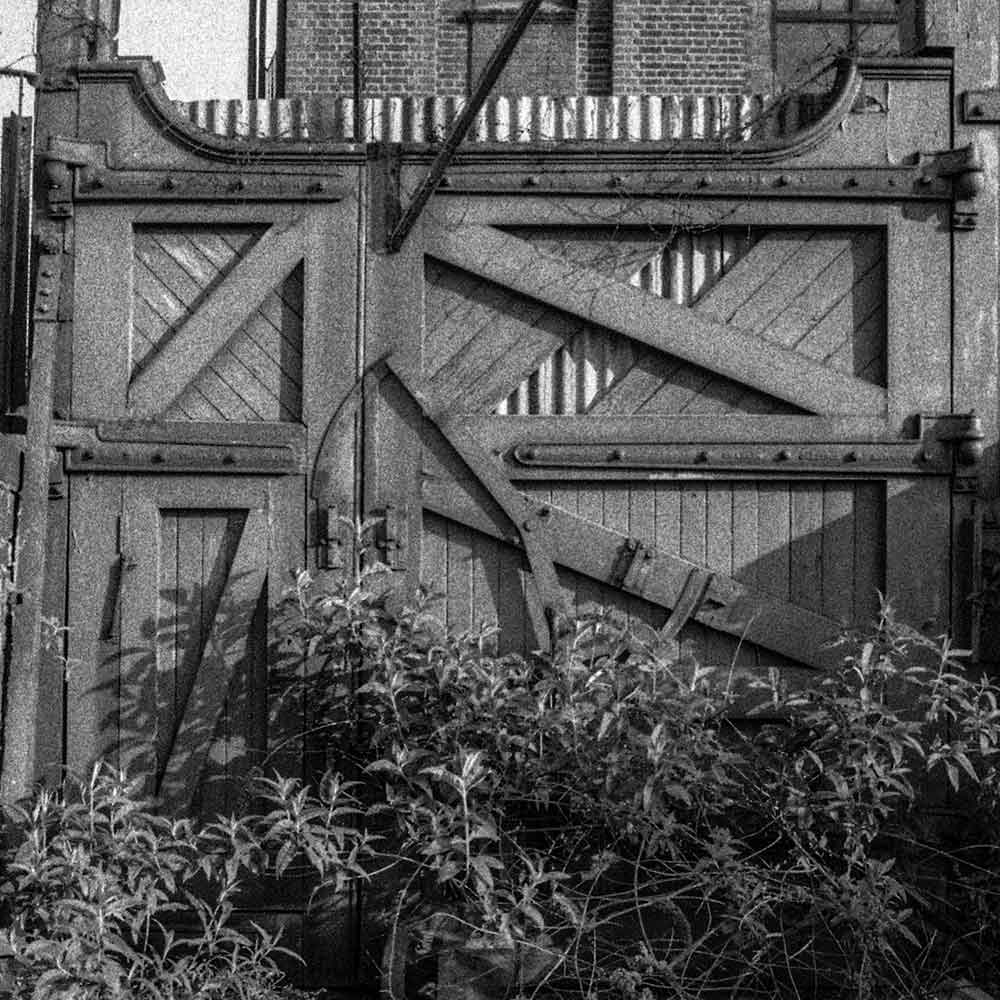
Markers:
point(611, 821)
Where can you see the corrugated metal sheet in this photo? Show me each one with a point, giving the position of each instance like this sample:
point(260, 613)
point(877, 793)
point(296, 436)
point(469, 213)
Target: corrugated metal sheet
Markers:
point(572, 378)
point(620, 118)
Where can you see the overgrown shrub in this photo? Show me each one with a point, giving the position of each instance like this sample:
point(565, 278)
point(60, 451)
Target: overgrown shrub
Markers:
point(608, 820)
point(104, 898)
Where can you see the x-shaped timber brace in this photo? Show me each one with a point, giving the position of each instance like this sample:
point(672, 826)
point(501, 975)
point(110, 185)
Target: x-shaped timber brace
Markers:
point(549, 536)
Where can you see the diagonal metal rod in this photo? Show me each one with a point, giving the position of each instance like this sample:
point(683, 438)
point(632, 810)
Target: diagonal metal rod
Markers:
point(460, 126)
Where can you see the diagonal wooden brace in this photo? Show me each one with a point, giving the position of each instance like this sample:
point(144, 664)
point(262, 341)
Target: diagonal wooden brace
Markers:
point(549, 616)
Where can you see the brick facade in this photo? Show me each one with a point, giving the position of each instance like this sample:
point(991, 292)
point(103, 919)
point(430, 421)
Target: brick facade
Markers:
point(424, 47)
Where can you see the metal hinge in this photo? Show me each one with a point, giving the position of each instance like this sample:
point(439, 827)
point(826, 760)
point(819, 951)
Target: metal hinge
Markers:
point(981, 107)
point(631, 570)
point(961, 435)
point(333, 532)
point(390, 535)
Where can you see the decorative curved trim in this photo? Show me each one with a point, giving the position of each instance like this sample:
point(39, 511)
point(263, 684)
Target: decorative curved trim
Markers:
point(145, 82)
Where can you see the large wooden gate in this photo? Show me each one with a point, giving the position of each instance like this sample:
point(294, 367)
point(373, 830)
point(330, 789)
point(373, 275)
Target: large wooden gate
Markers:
point(723, 390)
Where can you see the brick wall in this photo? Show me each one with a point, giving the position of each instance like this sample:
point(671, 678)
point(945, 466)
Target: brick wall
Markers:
point(691, 46)
point(423, 47)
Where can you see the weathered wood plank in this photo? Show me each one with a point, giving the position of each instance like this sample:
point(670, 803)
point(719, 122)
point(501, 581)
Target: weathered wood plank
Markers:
point(919, 314)
point(806, 545)
point(915, 584)
point(752, 273)
point(594, 551)
point(102, 311)
point(654, 321)
point(132, 729)
point(218, 316)
point(837, 574)
point(93, 617)
point(869, 550)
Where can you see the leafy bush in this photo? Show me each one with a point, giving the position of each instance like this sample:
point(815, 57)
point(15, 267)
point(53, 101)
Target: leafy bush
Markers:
point(610, 821)
point(603, 822)
point(104, 898)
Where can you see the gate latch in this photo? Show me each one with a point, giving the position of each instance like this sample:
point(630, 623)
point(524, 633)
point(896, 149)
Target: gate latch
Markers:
point(390, 535)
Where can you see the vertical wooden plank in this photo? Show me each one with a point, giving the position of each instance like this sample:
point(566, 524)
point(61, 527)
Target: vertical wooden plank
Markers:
point(806, 545)
point(225, 646)
point(976, 253)
point(138, 666)
point(434, 555)
point(331, 291)
point(93, 618)
point(745, 552)
point(693, 522)
point(838, 552)
point(166, 637)
point(459, 579)
point(642, 525)
point(616, 517)
point(918, 544)
point(919, 313)
point(719, 557)
point(188, 611)
point(869, 549)
point(52, 666)
point(591, 597)
point(221, 531)
point(485, 557)
point(102, 311)
point(773, 521)
point(568, 499)
point(279, 733)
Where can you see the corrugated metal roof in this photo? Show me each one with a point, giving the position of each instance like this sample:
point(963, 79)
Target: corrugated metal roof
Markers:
point(623, 118)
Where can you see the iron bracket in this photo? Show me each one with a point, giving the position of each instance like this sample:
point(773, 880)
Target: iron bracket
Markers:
point(390, 535)
point(332, 532)
point(61, 162)
point(136, 457)
point(631, 570)
point(962, 431)
point(981, 107)
point(776, 459)
point(964, 168)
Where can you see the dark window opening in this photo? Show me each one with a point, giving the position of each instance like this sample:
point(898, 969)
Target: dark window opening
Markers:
point(810, 34)
point(545, 59)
